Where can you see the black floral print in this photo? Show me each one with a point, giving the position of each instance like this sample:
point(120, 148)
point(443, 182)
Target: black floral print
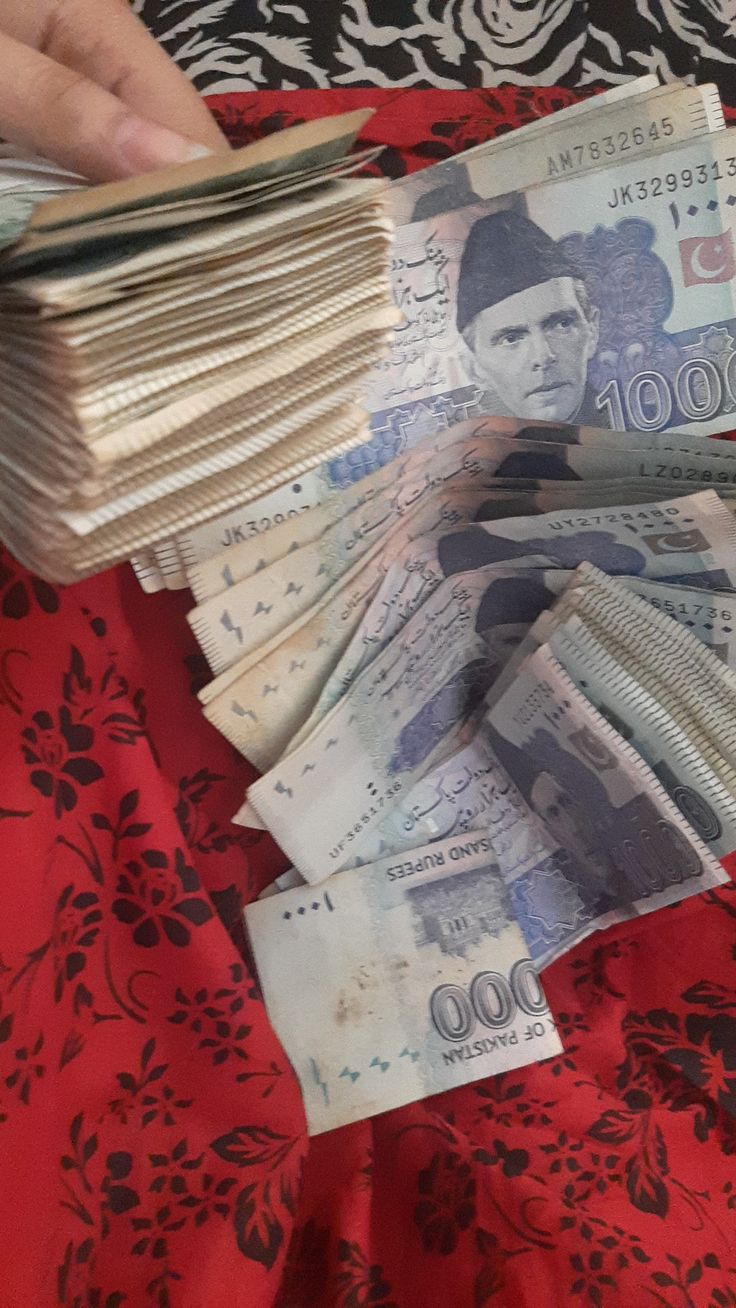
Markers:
point(57, 752)
point(155, 896)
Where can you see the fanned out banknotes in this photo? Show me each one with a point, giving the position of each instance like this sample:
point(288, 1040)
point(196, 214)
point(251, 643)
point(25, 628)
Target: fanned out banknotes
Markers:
point(483, 652)
point(504, 733)
point(172, 344)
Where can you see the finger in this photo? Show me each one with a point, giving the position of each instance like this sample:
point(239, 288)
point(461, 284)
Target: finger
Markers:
point(108, 44)
point(76, 123)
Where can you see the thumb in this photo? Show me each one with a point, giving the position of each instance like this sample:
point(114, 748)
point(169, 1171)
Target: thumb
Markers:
point(76, 123)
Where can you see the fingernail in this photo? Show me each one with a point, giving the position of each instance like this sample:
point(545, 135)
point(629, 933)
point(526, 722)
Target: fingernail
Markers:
point(142, 146)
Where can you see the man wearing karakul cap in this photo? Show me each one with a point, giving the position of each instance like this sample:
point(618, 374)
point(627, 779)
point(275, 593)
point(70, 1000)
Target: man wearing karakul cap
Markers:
point(525, 315)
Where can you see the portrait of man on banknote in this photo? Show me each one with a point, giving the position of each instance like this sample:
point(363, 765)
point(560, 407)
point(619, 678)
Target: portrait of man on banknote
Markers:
point(526, 317)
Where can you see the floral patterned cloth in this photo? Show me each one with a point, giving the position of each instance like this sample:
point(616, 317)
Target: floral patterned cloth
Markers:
point(151, 1129)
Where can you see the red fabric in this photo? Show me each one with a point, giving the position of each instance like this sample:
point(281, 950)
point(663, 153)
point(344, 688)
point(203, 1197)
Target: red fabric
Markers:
point(151, 1132)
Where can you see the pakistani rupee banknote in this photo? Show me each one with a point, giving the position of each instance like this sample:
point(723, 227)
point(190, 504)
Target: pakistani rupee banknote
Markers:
point(620, 846)
point(705, 801)
point(626, 121)
point(407, 709)
point(297, 665)
point(339, 641)
point(605, 298)
point(412, 977)
point(398, 595)
point(496, 452)
point(686, 678)
point(709, 615)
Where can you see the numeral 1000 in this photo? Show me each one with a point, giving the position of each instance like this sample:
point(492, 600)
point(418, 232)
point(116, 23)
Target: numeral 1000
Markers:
point(492, 999)
point(647, 402)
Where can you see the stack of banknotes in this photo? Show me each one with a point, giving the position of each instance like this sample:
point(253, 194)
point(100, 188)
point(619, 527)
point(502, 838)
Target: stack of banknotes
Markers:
point(484, 657)
point(484, 661)
point(175, 343)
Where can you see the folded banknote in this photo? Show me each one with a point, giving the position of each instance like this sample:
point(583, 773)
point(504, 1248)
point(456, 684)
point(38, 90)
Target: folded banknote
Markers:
point(413, 977)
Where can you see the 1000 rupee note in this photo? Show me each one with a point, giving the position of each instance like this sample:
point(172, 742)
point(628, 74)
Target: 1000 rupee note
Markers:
point(560, 146)
point(488, 280)
point(690, 683)
point(406, 713)
point(620, 847)
point(423, 981)
point(667, 540)
point(277, 698)
point(710, 616)
point(702, 798)
point(413, 576)
point(488, 447)
point(232, 532)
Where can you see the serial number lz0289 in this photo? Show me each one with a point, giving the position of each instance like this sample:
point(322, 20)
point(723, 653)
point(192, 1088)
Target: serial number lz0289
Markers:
point(682, 179)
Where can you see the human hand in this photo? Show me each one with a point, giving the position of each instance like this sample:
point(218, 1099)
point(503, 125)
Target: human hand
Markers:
point(83, 83)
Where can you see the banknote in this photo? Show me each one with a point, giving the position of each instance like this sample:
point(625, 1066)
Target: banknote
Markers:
point(693, 686)
point(406, 713)
point(398, 595)
point(72, 223)
point(267, 705)
point(263, 604)
point(561, 147)
point(225, 551)
point(218, 558)
point(248, 615)
point(274, 700)
point(620, 846)
point(604, 299)
point(424, 981)
point(24, 184)
point(709, 615)
point(286, 881)
point(469, 789)
point(511, 599)
point(665, 539)
point(702, 798)
point(221, 553)
point(670, 538)
point(233, 530)
point(411, 577)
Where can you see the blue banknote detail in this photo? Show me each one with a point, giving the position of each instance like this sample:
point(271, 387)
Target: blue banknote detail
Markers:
point(398, 430)
point(450, 706)
point(631, 288)
point(547, 904)
point(575, 329)
point(457, 911)
point(514, 602)
point(616, 854)
point(473, 547)
point(715, 579)
point(694, 808)
point(594, 326)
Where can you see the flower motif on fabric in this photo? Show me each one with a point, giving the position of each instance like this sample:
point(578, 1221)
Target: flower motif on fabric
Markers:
point(447, 1201)
point(20, 591)
point(187, 1187)
point(711, 1065)
point(156, 897)
point(76, 927)
point(57, 752)
point(120, 713)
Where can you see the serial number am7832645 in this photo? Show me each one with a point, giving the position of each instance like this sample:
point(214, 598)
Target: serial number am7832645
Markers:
point(608, 147)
